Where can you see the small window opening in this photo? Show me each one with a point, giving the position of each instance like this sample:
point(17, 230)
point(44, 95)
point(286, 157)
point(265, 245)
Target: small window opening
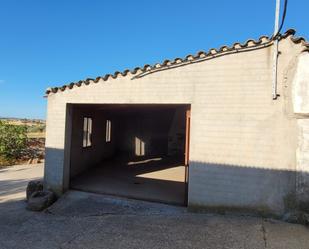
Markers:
point(87, 132)
point(108, 133)
point(139, 147)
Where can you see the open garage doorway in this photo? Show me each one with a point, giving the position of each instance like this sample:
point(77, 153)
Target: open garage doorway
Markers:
point(135, 151)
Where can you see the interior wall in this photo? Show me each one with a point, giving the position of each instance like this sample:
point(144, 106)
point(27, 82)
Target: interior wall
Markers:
point(136, 131)
point(147, 132)
point(177, 133)
point(83, 158)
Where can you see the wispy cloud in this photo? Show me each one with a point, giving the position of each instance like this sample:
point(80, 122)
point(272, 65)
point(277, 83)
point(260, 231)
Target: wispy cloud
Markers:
point(2, 81)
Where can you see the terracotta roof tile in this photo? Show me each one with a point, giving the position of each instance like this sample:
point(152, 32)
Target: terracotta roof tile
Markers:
point(200, 56)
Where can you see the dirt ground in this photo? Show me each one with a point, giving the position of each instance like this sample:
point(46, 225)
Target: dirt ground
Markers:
point(84, 220)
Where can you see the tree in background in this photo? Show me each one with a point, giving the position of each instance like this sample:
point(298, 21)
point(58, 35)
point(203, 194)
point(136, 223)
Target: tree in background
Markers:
point(13, 140)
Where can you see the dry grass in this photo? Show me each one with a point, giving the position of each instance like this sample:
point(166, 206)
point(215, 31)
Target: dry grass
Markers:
point(36, 135)
point(21, 122)
point(5, 162)
point(33, 126)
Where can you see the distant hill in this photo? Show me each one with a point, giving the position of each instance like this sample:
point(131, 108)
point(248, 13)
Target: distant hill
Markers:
point(35, 127)
point(24, 121)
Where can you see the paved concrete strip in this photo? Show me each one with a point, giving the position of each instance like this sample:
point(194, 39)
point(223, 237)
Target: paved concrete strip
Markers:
point(189, 231)
point(82, 204)
point(124, 223)
point(285, 236)
point(14, 180)
point(82, 220)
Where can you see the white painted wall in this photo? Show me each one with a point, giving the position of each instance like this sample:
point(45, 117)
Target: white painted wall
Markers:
point(301, 110)
point(301, 85)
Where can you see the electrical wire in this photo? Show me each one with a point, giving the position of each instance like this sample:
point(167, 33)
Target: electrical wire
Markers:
point(283, 19)
point(258, 46)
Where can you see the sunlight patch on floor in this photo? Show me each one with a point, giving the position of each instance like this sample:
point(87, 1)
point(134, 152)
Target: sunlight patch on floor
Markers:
point(175, 174)
point(145, 161)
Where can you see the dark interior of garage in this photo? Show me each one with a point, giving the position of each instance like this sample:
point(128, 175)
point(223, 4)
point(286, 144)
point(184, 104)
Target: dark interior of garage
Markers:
point(134, 151)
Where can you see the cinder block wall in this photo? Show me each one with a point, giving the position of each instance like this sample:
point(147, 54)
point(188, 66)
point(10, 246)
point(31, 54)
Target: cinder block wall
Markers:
point(243, 144)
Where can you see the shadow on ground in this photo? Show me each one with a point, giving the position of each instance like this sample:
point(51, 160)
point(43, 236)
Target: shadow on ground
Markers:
point(84, 220)
point(10, 187)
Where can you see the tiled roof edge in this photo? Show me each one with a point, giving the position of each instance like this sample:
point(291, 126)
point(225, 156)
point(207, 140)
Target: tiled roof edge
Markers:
point(263, 40)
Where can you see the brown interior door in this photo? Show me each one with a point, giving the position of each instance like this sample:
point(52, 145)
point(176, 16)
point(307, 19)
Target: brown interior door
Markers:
point(187, 145)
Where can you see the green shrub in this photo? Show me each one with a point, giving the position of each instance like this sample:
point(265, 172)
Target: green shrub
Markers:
point(36, 128)
point(13, 140)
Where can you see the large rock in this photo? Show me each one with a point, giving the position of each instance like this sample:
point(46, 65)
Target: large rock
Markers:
point(32, 187)
point(40, 200)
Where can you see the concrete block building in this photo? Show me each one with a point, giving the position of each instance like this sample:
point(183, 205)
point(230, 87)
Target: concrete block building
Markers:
point(203, 131)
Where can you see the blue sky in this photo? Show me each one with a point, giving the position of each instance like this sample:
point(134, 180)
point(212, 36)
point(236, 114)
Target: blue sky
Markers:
point(51, 43)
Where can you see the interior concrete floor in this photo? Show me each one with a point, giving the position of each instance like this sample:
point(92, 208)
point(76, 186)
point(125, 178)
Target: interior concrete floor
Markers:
point(154, 179)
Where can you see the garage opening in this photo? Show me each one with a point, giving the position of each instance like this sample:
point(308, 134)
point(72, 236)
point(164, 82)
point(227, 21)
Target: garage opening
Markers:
point(134, 151)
